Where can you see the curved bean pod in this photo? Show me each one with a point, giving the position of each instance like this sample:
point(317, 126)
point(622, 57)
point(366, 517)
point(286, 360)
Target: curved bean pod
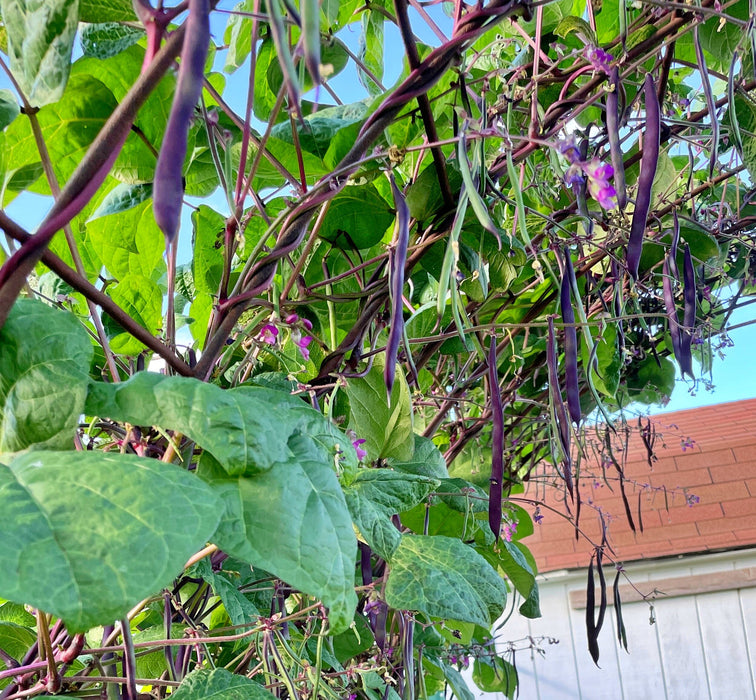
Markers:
point(310, 12)
point(168, 188)
point(689, 314)
point(648, 164)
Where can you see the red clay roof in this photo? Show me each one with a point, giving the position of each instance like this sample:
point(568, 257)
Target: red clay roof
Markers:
point(700, 494)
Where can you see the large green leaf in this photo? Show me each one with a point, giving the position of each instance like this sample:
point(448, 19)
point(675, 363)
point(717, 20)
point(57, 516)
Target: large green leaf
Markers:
point(86, 535)
point(377, 494)
point(241, 610)
point(495, 675)
point(371, 49)
point(219, 684)
point(292, 521)
point(245, 429)
point(386, 428)
point(136, 162)
point(426, 460)
point(40, 39)
point(44, 371)
point(443, 577)
point(69, 126)
point(15, 640)
point(9, 108)
point(358, 217)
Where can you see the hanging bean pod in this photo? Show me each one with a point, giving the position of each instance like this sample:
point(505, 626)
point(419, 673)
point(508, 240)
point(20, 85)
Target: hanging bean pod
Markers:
point(168, 187)
point(689, 314)
point(649, 161)
point(497, 443)
point(613, 120)
point(398, 260)
point(570, 341)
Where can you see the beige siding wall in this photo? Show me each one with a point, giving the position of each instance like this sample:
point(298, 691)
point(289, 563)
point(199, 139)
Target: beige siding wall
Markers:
point(702, 645)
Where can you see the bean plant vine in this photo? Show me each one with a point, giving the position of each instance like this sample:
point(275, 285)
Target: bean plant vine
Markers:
point(317, 289)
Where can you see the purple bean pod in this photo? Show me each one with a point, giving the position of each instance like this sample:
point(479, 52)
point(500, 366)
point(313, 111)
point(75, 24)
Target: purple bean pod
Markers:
point(590, 613)
point(621, 633)
point(563, 425)
point(669, 305)
point(396, 280)
point(689, 315)
point(613, 121)
point(649, 161)
point(570, 341)
point(497, 443)
point(168, 187)
point(673, 248)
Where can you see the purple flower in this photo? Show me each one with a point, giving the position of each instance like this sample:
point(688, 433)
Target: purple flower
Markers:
point(593, 171)
point(302, 342)
point(569, 149)
point(692, 500)
point(687, 444)
point(598, 183)
point(291, 319)
point(508, 531)
point(598, 58)
point(537, 515)
point(269, 334)
point(361, 454)
point(307, 324)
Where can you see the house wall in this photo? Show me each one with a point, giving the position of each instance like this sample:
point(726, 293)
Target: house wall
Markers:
point(701, 646)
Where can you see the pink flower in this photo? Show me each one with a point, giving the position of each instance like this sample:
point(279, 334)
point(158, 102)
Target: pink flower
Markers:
point(508, 531)
point(269, 334)
point(361, 454)
point(291, 319)
point(595, 173)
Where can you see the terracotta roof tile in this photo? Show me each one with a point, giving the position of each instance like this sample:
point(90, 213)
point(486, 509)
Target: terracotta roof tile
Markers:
point(704, 456)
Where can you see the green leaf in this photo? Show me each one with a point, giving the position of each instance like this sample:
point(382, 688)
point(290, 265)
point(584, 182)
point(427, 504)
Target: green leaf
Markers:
point(15, 640)
point(154, 663)
point(108, 39)
point(129, 242)
point(86, 535)
point(40, 39)
point(9, 108)
point(570, 24)
point(69, 126)
point(606, 376)
point(44, 372)
point(245, 429)
point(238, 35)
point(495, 675)
point(357, 218)
point(219, 684)
point(457, 683)
point(426, 460)
point(136, 161)
point(386, 429)
point(121, 198)
point(510, 561)
point(140, 298)
point(292, 521)
point(745, 116)
point(241, 610)
point(106, 11)
point(371, 49)
point(443, 577)
point(377, 494)
point(208, 229)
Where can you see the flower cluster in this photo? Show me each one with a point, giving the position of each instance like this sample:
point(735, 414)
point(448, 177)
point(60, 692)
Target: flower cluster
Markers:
point(269, 333)
point(598, 58)
point(593, 172)
point(687, 444)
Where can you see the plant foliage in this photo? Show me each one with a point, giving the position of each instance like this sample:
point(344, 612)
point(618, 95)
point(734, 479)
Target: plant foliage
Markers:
point(368, 320)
